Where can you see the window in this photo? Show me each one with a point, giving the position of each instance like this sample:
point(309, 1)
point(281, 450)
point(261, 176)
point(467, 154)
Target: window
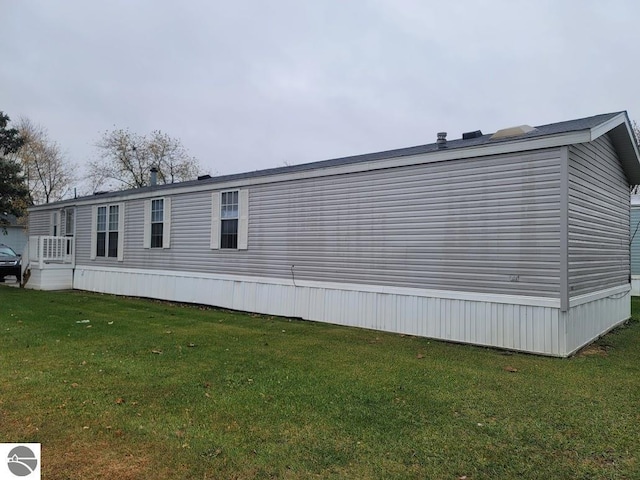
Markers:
point(107, 233)
point(69, 222)
point(54, 224)
point(229, 216)
point(157, 223)
point(101, 245)
point(67, 225)
point(112, 241)
point(229, 220)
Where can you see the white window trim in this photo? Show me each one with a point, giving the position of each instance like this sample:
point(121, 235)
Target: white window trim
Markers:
point(215, 220)
point(94, 231)
point(120, 232)
point(243, 219)
point(166, 220)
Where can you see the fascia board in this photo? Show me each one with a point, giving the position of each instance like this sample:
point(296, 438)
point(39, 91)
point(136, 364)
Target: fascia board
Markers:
point(514, 146)
point(633, 145)
point(625, 144)
point(632, 136)
point(607, 126)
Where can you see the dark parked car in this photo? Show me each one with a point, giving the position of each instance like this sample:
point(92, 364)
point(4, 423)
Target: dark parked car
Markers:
point(9, 263)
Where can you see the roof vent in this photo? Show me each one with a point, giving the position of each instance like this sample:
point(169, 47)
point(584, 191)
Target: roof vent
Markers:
point(204, 177)
point(470, 135)
point(102, 192)
point(512, 132)
point(442, 140)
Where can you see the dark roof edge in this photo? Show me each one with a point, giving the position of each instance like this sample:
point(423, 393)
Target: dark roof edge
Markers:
point(624, 140)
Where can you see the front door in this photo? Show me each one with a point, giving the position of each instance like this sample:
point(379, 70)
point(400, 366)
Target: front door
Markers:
point(68, 225)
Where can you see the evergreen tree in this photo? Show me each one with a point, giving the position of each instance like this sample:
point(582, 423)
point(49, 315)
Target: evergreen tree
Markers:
point(14, 195)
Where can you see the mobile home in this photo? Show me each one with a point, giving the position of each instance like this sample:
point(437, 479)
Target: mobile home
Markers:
point(517, 239)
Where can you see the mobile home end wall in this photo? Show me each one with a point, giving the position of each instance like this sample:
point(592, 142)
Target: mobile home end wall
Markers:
point(635, 245)
point(599, 213)
point(598, 242)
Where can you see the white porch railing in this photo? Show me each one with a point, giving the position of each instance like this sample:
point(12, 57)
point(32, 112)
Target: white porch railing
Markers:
point(51, 250)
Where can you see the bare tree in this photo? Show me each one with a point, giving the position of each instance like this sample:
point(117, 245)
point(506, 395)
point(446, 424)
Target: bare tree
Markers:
point(49, 175)
point(171, 158)
point(126, 159)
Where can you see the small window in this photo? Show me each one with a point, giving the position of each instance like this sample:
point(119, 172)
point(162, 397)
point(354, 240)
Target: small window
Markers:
point(107, 240)
point(157, 223)
point(69, 222)
point(229, 219)
point(101, 228)
point(113, 231)
point(54, 224)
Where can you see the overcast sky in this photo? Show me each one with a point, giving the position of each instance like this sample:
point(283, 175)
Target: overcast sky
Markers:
point(248, 85)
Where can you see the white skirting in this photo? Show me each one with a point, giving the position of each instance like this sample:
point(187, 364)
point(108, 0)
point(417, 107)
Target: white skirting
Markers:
point(52, 277)
point(528, 324)
point(588, 320)
point(635, 285)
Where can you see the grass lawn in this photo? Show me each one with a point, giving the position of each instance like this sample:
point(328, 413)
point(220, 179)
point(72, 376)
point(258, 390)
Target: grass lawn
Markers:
point(125, 389)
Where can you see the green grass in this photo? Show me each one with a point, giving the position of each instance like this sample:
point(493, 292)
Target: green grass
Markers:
point(246, 396)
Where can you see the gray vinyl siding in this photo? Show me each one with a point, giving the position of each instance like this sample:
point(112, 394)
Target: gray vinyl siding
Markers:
point(488, 224)
point(599, 213)
point(40, 222)
point(635, 245)
point(83, 235)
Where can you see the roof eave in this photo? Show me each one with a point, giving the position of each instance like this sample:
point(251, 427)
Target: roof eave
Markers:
point(497, 148)
point(621, 134)
point(618, 127)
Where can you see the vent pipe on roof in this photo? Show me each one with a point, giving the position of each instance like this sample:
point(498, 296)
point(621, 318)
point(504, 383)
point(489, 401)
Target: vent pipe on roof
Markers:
point(442, 140)
point(154, 176)
point(470, 135)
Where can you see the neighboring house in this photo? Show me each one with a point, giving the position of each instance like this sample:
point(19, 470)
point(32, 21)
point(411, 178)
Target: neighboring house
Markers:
point(13, 232)
point(517, 240)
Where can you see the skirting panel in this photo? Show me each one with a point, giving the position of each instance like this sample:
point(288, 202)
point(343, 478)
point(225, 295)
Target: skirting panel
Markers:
point(635, 285)
point(537, 329)
point(593, 319)
point(50, 279)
